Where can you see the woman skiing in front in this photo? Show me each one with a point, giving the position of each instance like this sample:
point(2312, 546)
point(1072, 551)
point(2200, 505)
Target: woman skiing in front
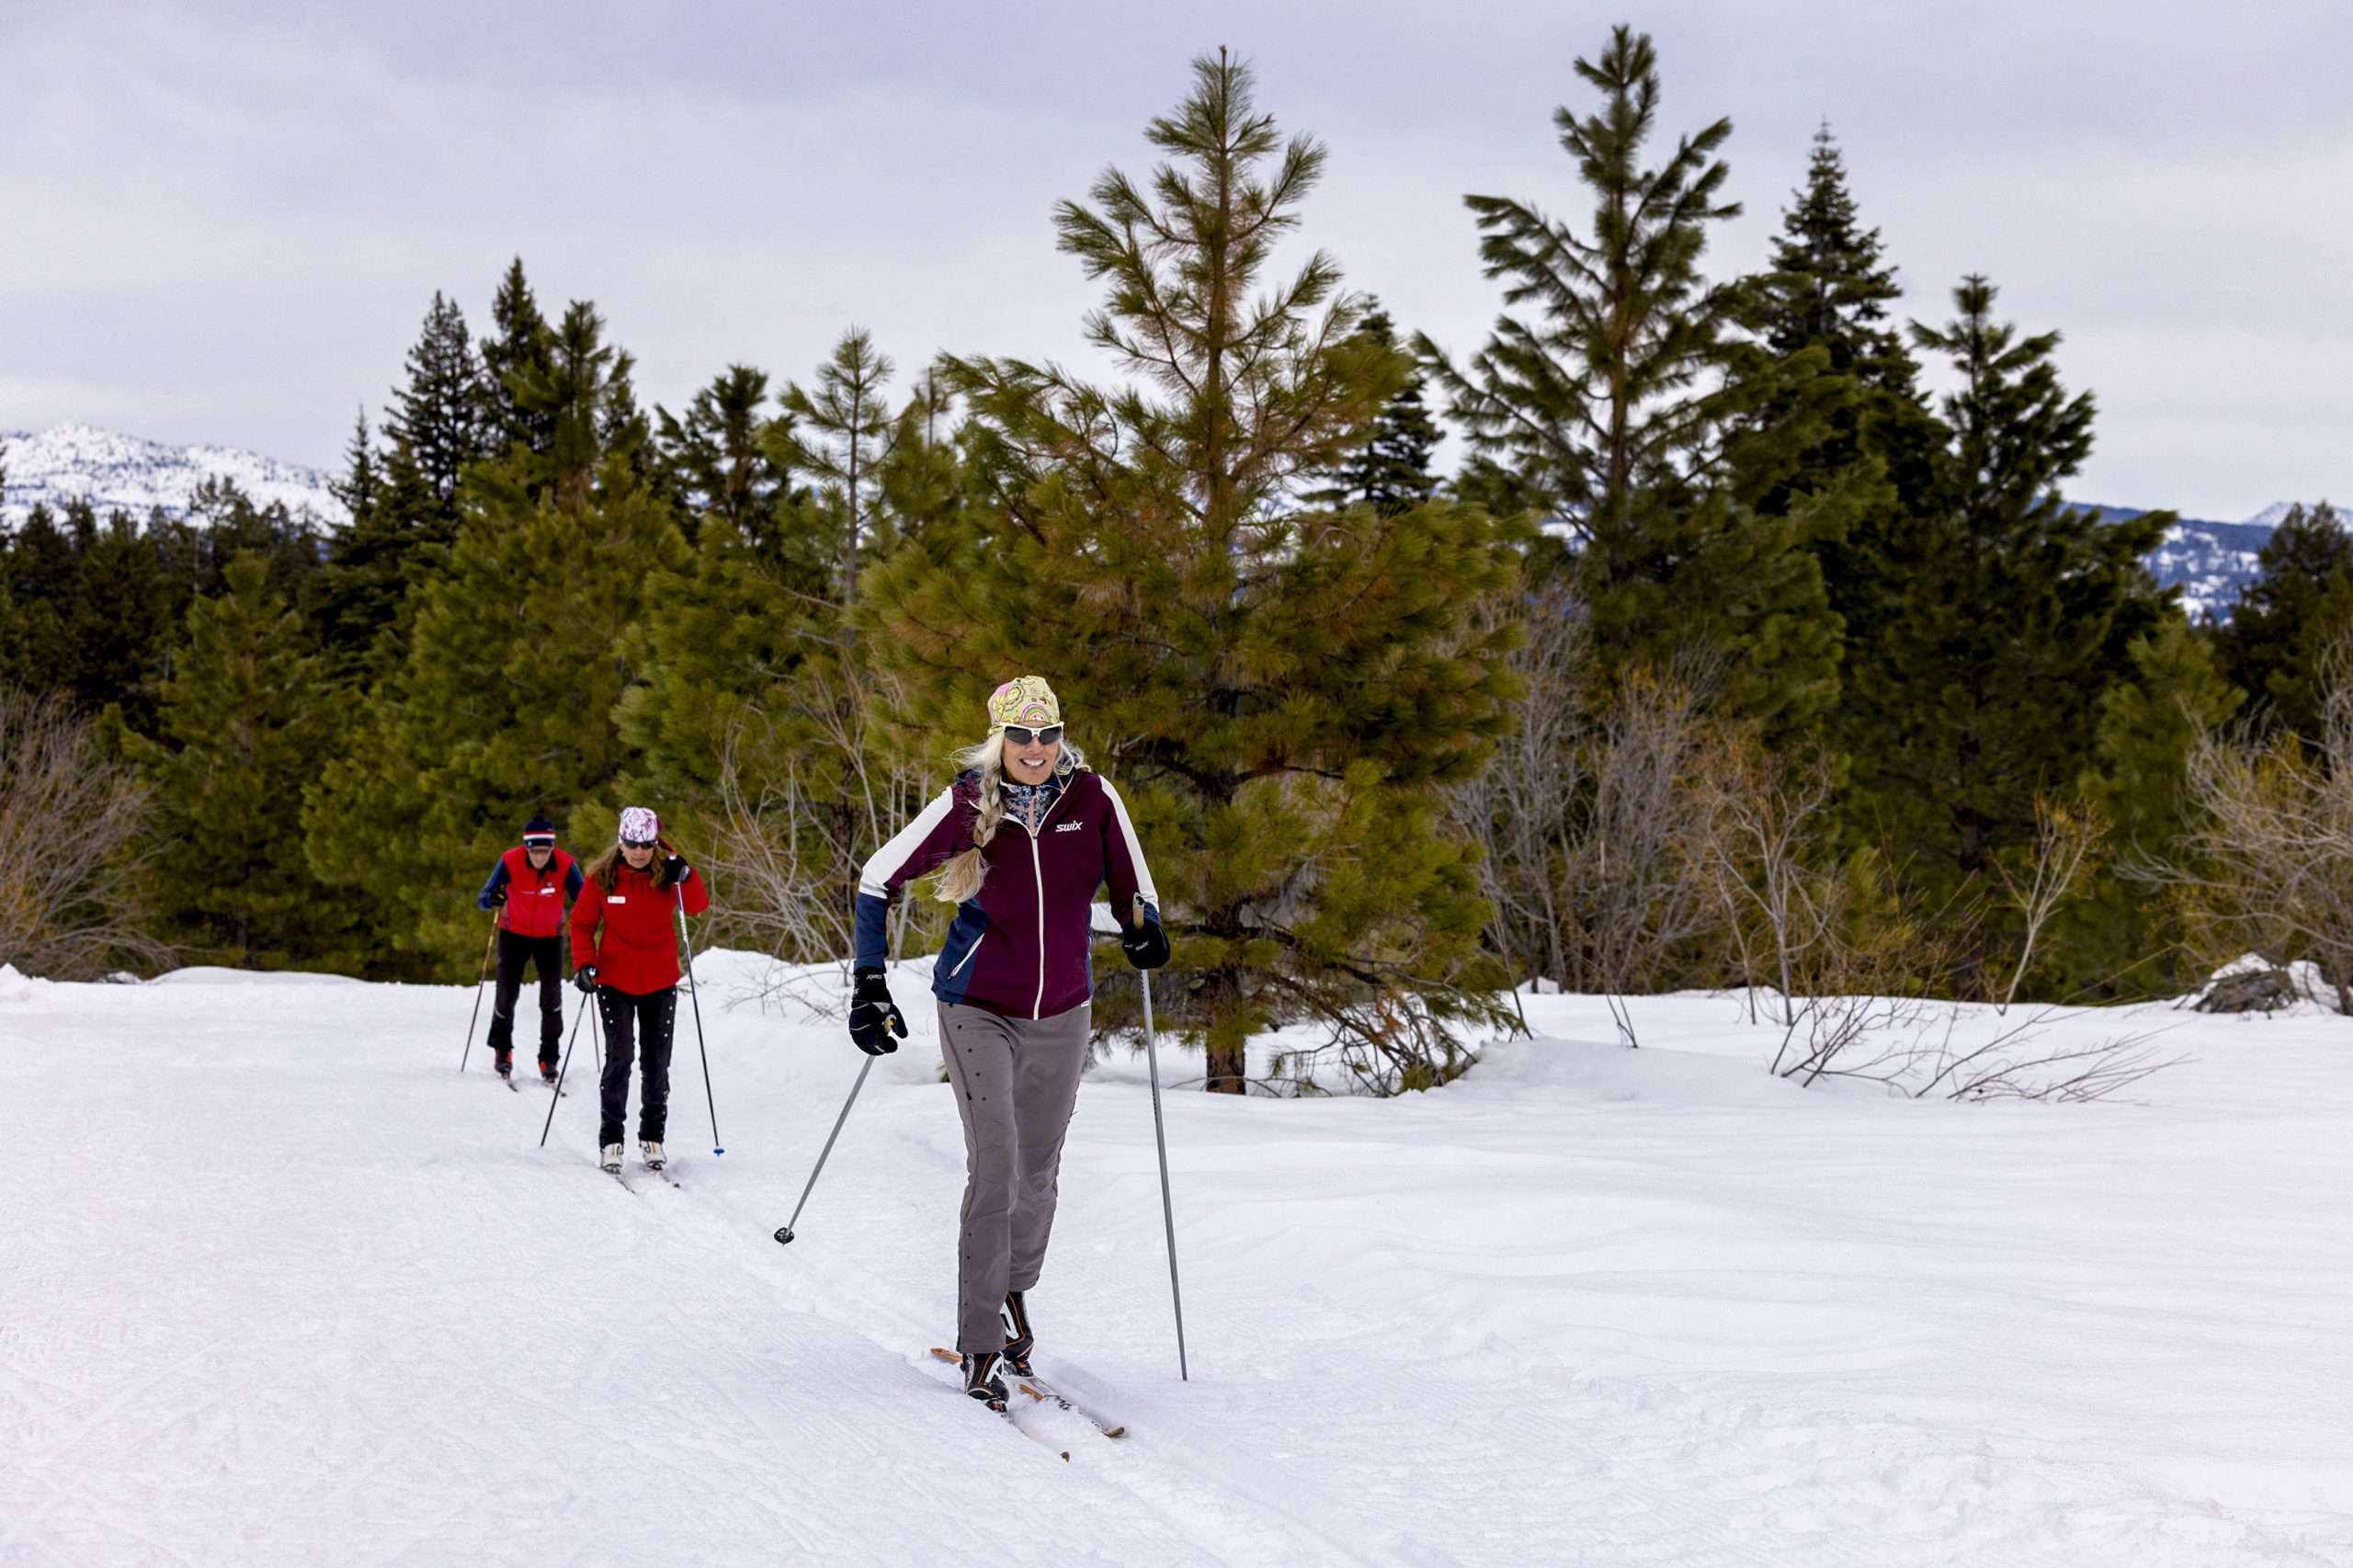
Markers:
point(1013, 984)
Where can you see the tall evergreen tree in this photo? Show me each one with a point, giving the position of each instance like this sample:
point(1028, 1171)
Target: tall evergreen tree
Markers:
point(757, 681)
point(2116, 939)
point(125, 614)
point(504, 701)
point(438, 417)
point(519, 351)
point(716, 460)
point(2000, 619)
point(1616, 401)
point(1391, 472)
point(44, 569)
point(245, 725)
point(1278, 690)
point(2290, 622)
point(839, 433)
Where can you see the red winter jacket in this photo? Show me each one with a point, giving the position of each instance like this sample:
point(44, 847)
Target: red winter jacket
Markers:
point(534, 899)
point(638, 949)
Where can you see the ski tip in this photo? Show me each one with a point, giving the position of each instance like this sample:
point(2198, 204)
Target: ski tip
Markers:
point(784, 1235)
point(945, 1354)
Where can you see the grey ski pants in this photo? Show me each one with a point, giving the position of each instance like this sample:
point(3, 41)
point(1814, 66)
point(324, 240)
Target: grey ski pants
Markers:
point(1015, 1080)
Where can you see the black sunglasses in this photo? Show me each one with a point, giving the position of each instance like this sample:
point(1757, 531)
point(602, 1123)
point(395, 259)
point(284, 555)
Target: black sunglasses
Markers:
point(1022, 737)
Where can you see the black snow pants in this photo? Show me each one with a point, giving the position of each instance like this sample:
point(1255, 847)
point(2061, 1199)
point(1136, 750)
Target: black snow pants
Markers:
point(635, 1025)
point(514, 951)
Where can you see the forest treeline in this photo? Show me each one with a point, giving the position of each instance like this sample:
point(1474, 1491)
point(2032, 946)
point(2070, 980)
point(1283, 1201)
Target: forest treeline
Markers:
point(1724, 655)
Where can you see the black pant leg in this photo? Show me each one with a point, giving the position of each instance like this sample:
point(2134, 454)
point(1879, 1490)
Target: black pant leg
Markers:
point(656, 1015)
point(512, 951)
point(548, 953)
point(618, 1012)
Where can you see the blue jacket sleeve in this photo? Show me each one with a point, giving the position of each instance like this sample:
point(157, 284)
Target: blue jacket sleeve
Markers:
point(488, 897)
point(573, 883)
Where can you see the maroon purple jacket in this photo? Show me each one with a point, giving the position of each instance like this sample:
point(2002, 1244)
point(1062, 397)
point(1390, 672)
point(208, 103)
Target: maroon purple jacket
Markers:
point(1021, 946)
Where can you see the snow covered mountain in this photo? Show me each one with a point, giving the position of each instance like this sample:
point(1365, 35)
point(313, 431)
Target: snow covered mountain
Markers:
point(68, 462)
point(2210, 561)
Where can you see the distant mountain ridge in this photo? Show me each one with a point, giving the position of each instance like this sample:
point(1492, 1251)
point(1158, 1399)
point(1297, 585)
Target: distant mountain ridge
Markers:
point(73, 462)
point(2210, 561)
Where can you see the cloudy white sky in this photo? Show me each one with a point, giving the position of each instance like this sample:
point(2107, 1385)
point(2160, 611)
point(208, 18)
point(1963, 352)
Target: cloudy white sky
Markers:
point(223, 222)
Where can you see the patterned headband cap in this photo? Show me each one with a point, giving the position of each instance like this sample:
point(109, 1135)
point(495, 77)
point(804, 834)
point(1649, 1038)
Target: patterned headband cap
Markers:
point(1026, 700)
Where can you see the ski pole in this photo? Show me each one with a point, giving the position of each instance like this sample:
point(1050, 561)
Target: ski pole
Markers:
point(784, 1231)
point(467, 1054)
point(695, 995)
point(1168, 1209)
point(587, 1001)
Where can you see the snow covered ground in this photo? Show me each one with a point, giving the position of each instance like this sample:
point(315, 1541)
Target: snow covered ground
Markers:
point(281, 1286)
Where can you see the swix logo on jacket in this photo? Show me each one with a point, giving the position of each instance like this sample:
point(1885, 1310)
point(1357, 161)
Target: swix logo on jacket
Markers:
point(1021, 946)
point(535, 899)
point(637, 951)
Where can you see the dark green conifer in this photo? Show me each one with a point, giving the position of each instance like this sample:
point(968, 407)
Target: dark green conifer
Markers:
point(2290, 619)
point(518, 352)
point(439, 416)
point(1390, 472)
point(2000, 619)
point(245, 724)
point(715, 460)
point(504, 703)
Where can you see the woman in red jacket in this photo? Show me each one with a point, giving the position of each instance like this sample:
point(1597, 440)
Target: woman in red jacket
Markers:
point(625, 949)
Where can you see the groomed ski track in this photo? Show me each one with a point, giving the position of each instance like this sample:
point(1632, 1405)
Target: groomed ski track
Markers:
point(283, 1286)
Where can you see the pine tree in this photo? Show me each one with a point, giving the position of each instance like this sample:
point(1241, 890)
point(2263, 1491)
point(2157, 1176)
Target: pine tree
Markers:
point(126, 612)
point(2290, 619)
point(44, 571)
point(1278, 690)
point(504, 701)
point(757, 682)
point(520, 352)
point(1616, 403)
point(2118, 939)
point(1391, 472)
point(715, 461)
point(437, 418)
point(405, 499)
point(839, 434)
point(245, 724)
point(2001, 619)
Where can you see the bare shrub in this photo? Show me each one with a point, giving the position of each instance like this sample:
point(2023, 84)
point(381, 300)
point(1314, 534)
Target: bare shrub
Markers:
point(71, 819)
point(2267, 866)
point(2067, 841)
point(808, 789)
point(1593, 818)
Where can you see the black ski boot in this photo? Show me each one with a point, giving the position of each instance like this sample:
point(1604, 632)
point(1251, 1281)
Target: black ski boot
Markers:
point(1019, 1340)
point(547, 1069)
point(505, 1061)
point(981, 1380)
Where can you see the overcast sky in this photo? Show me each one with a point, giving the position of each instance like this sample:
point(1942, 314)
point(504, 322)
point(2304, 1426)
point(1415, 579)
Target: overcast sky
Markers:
point(223, 222)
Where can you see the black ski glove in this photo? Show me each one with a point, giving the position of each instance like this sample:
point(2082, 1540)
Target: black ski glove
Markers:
point(585, 977)
point(873, 1017)
point(1145, 944)
point(498, 897)
point(674, 870)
